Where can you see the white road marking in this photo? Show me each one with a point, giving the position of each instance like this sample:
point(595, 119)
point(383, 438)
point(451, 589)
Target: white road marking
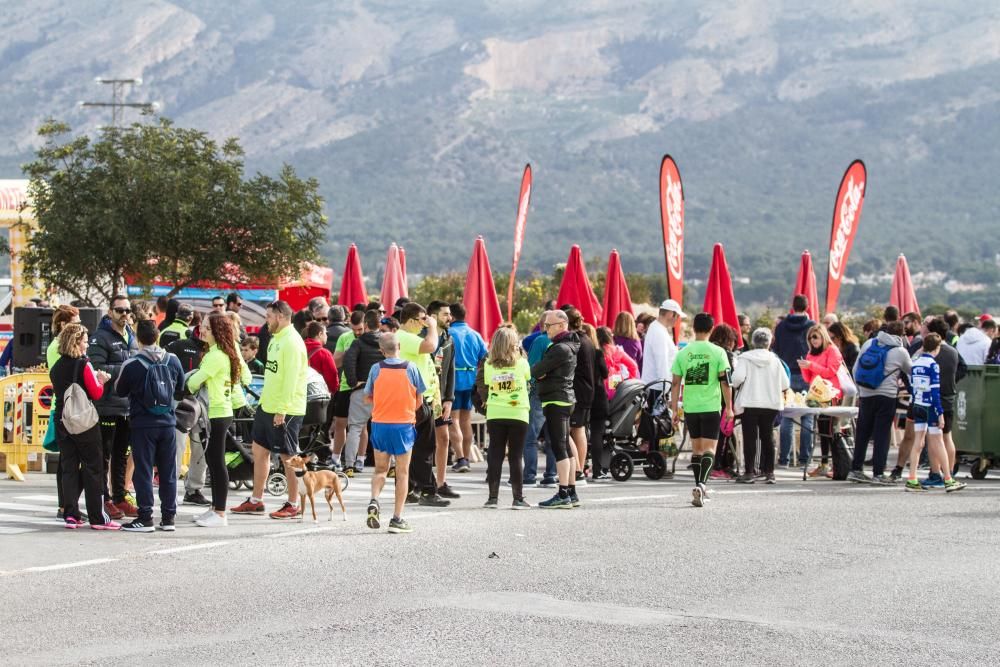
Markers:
point(621, 498)
point(190, 547)
point(67, 566)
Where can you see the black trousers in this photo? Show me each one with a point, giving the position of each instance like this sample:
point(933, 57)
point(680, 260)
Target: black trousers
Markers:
point(215, 458)
point(506, 437)
point(824, 426)
point(557, 429)
point(757, 425)
point(422, 459)
point(875, 417)
point(115, 440)
point(81, 461)
point(59, 484)
point(600, 458)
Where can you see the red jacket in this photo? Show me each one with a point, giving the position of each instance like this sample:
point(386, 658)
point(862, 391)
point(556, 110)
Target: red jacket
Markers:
point(825, 365)
point(321, 360)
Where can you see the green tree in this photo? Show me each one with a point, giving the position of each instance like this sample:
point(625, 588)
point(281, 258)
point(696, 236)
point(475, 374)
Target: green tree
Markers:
point(160, 203)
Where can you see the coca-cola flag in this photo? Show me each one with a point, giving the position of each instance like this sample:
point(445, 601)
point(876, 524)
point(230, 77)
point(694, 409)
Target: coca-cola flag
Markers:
point(519, 223)
point(846, 216)
point(672, 221)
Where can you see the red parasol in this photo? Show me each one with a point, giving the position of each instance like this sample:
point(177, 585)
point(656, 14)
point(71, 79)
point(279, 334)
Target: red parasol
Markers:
point(482, 308)
point(719, 299)
point(616, 296)
point(806, 284)
point(393, 284)
point(575, 289)
point(902, 295)
point(352, 286)
point(402, 267)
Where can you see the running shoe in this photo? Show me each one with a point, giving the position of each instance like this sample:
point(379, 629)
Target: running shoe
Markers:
point(249, 507)
point(399, 526)
point(392, 473)
point(127, 508)
point(881, 480)
point(138, 526)
point(108, 525)
point(697, 497)
point(212, 520)
point(112, 510)
point(718, 474)
point(204, 514)
point(462, 465)
point(933, 482)
point(557, 502)
point(167, 524)
point(359, 467)
point(412, 498)
point(858, 476)
point(603, 476)
point(432, 500)
point(954, 485)
point(490, 504)
point(446, 491)
point(373, 520)
point(896, 474)
point(819, 471)
point(745, 479)
point(548, 484)
point(196, 498)
point(287, 511)
point(705, 494)
point(349, 472)
point(913, 485)
point(520, 504)
point(575, 499)
point(581, 479)
point(73, 523)
point(769, 479)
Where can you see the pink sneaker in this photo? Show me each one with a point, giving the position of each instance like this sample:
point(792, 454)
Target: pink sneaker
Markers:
point(110, 525)
point(718, 474)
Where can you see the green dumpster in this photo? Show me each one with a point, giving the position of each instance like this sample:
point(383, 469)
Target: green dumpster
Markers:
point(977, 418)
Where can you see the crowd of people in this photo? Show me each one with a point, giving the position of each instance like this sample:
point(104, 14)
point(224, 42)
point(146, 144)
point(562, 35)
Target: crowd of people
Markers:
point(405, 385)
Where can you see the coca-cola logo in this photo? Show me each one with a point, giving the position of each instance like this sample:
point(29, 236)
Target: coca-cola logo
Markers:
point(847, 216)
point(522, 216)
point(673, 206)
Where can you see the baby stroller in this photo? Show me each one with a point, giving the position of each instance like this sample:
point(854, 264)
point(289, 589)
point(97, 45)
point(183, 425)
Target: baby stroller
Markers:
point(638, 432)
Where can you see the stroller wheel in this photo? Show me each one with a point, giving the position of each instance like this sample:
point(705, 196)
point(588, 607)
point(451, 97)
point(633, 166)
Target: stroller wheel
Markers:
point(656, 465)
point(277, 484)
point(235, 484)
point(621, 467)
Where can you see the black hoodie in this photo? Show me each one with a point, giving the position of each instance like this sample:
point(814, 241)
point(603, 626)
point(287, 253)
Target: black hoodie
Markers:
point(555, 370)
point(790, 342)
point(359, 358)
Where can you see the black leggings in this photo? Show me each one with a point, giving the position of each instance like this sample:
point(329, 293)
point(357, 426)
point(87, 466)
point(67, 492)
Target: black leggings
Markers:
point(600, 459)
point(506, 436)
point(215, 457)
point(557, 429)
point(824, 426)
point(758, 426)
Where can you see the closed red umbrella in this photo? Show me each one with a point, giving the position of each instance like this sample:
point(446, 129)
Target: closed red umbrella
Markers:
point(393, 285)
point(806, 284)
point(482, 308)
point(575, 289)
point(902, 295)
point(719, 300)
point(616, 295)
point(402, 267)
point(352, 285)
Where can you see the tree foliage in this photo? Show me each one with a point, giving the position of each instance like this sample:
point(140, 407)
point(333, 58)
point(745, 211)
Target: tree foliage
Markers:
point(155, 202)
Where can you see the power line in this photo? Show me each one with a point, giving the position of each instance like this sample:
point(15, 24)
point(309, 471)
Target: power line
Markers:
point(118, 103)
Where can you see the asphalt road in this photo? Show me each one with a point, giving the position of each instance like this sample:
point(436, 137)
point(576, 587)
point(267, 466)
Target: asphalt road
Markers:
point(796, 573)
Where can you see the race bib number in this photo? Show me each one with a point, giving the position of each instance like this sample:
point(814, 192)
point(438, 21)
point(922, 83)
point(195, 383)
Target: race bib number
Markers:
point(503, 383)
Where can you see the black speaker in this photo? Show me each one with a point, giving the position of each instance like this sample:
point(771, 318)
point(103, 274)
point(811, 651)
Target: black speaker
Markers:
point(33, 333)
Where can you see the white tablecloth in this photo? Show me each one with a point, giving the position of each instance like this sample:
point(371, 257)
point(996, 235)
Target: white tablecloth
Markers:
point(835, 411)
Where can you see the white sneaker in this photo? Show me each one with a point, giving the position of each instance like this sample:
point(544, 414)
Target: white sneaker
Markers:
point(212, 520)
point(704, 492)
point(203, 515)
point(696, 497)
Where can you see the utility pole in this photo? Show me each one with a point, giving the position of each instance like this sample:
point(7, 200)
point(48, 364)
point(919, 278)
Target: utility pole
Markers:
point(117, 103)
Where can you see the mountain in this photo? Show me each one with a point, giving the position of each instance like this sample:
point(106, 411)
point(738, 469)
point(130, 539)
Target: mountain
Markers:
point(417, 119)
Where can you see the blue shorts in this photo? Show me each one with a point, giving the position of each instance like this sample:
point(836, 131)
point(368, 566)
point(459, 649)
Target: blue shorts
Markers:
point(463, 400)
point(925, 418)
point(392, 439)
point(283, 440)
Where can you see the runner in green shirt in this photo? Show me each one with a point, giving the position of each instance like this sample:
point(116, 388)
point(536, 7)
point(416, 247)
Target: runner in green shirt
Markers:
point(704, 369)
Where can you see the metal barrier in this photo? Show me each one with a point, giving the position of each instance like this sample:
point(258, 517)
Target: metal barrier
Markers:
point(24, 413)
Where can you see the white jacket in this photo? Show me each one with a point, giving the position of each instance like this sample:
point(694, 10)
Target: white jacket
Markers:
point(974, 346)
point(658, 352)
point(761, 379)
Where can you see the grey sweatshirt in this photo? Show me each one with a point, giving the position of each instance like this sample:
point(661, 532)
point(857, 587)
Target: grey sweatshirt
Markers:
point(897, 365)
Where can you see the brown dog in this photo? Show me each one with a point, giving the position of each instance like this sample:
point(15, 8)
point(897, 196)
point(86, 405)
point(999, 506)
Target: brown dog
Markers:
point(311, 481)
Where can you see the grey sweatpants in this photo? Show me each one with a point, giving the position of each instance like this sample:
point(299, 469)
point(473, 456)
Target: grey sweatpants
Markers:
point(195, 479)
point(358, 415)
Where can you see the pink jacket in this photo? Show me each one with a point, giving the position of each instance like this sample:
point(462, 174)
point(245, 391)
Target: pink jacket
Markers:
point(621, 367)
point(825, 365)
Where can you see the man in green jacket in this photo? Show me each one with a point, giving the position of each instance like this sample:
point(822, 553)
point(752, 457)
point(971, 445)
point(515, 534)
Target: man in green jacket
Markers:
point(282, 406)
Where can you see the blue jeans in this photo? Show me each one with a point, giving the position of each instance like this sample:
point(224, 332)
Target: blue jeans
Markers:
point(536, 421)
point(805, 433)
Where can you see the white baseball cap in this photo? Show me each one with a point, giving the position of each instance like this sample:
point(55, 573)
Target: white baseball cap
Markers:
point(673, 307)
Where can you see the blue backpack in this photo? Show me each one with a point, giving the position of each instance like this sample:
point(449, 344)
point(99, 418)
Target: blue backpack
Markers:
point(871, 366)
point(158, 392)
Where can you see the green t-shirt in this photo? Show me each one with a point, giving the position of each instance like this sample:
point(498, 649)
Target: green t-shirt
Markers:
point(52, 352)
point(409, 349)
point(343, 343)
point(285, 378)
point(699, 364)
point(508, 391)
point(213, 372)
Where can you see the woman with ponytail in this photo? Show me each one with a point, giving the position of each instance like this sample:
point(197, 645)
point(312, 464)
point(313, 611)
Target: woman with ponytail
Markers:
point(221, 370)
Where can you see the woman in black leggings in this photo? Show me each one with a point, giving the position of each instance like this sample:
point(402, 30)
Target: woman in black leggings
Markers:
point(220, 370)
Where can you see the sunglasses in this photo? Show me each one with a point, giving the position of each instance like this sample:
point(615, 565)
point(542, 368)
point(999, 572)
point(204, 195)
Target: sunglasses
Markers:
point(122, 311)
point(218, 305)
point(322, 319)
